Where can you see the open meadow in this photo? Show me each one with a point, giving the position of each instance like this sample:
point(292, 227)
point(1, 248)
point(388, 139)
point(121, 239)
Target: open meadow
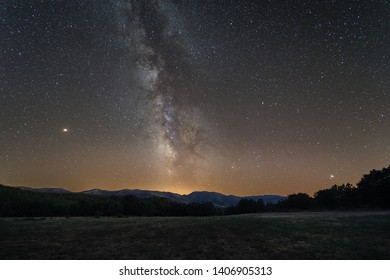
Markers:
point(305, 235)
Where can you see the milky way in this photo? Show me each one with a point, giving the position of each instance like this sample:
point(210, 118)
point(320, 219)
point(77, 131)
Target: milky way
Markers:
point(161, 70)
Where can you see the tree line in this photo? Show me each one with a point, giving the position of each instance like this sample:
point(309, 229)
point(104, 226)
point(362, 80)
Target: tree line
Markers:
point(372, 192)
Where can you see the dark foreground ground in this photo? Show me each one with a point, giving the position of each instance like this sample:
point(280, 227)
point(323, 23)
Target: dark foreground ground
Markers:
point(325, 235)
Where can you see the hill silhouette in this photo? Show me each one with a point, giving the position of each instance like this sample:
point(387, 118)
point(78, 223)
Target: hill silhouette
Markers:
point(24, 201)
point(371, 192)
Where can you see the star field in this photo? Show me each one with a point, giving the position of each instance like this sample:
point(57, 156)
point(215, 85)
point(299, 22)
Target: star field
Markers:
point(241, 97)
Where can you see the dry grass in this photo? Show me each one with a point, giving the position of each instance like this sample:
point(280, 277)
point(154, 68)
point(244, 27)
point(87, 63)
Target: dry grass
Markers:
point(327, 235)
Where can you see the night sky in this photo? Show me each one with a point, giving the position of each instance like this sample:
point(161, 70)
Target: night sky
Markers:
point(239, 97)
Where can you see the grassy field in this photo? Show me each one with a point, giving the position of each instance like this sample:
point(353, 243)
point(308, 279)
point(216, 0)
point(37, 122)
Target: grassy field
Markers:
point(326, 235)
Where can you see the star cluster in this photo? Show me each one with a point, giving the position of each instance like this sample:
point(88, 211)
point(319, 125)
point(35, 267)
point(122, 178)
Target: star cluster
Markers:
point(243, 97)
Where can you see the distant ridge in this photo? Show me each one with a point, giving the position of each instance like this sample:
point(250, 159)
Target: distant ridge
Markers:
point(46, 190)
point(197, 196)
point(138, 193)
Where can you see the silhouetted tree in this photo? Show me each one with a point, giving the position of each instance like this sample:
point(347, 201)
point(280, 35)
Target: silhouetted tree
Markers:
point(374, 189)
point(298, 201)
point(246, 206)
point(337, 197)
point(250, 206)
point(201, 209)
